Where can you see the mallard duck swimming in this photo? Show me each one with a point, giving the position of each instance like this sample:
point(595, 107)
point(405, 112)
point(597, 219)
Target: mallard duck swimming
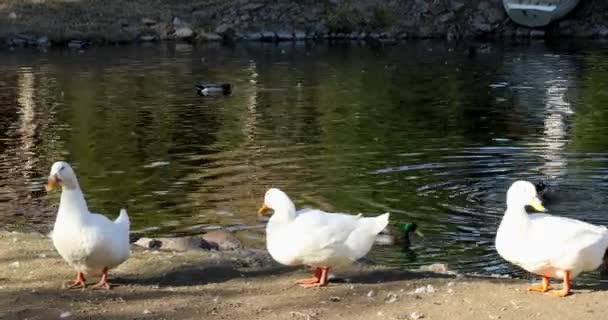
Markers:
point(212, 89)
point(550, 246)
point(398, 235)
point(89, 242)
point(316, 238)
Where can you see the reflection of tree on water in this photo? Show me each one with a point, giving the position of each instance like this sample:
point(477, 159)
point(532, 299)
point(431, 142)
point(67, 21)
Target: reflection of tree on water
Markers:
point(553, 74)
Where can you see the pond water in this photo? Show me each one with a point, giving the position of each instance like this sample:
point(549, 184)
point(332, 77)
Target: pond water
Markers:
point(422, 130)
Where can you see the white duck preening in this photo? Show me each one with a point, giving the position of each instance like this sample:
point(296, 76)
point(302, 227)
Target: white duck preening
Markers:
point(316, 238)
point(89, 242)
point(547, 245)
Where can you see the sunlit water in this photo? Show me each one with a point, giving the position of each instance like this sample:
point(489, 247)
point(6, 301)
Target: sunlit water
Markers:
point(421, 130)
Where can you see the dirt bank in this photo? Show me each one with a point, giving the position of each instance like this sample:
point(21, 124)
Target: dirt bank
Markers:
point(83, 22)
point(207, 285)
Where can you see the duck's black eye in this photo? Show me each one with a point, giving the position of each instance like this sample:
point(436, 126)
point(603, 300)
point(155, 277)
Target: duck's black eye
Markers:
point(61, 169)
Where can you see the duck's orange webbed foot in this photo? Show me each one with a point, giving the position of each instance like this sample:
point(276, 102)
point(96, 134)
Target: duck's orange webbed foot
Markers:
point(103, 283)
point(565, 287)
point(543, 287)
point(318, 280)
point(79, 283)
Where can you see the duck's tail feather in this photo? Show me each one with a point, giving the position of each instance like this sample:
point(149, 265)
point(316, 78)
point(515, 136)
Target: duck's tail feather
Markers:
point(123, 218)
point(364, 236)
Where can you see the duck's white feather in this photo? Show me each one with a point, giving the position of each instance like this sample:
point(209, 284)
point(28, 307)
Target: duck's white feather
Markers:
point(318, 238)
point(549, 245)
point(87, 241)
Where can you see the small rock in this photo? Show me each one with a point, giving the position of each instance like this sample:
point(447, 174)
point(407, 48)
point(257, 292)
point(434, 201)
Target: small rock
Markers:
point(210, 36)
point(447, 17)
point(495, 15)
point(456, 5)
point(146, 311)
point(147, 37)
point(436, 267)
point(223, 28)
point(184, 33)
point(177, 22)
point(482, 27)
point(43, 41)
point(537, 33)
point(12, 15)
point(603, 32)
point(148, 22)
point(334, 299)
point(416, 315)
point(451, 284)
point(66, 314)
point(268, 36)
point(253, 6)
point(299, 35)
point(371, 294)
point(76, 44)
point(15, 264)
point(284, 35)
point(391, 298)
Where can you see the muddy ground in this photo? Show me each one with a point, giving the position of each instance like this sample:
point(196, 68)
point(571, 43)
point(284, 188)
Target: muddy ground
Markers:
point(247, 285)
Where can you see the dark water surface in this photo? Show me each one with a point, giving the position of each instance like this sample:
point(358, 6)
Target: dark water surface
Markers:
point(421, 130)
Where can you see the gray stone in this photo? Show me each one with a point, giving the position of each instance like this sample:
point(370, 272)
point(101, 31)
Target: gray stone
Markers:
point(223, 28)
point(149, 22)
point(522, 32)
point(603, 32)
point(284, 35)
point(210, 36)
point(146, 37)
point(245, 17)
point(483, 6)
point(482, 27)
point(537, 33)
point(252, 36)
point(43, 41)
point(495, 15)
point(437, 7)
point(447, 17)
point(456, 5)
point(184, 33)
point(77, 44)
point(177, 22)
point(423, 6)
point(12, 16)
point(253, 6)
point(268, 36)
point(299, 35)
point(222, 240)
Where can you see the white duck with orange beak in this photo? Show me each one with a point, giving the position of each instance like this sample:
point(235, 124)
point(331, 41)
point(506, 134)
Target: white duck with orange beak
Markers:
point(316, 238)
point(89, 242)
point(550, 246)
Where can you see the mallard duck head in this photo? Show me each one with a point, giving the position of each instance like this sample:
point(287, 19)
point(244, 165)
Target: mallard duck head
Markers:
point(523, 193)
point(408, 228)
point(61, 174)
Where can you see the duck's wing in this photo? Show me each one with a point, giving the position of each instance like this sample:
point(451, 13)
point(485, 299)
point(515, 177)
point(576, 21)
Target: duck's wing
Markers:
point(324, 228)
point(555, 237)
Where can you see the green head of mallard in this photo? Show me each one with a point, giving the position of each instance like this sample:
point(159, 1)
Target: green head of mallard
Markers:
point(408, 228)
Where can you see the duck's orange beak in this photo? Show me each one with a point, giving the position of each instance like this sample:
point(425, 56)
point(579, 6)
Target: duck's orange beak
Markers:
point(264, 210)
point(52, 183)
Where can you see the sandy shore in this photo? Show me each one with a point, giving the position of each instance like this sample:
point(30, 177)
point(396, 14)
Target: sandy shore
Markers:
point(231, 285)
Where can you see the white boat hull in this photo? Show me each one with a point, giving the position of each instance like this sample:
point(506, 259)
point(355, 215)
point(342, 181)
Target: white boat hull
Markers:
point(538, 13)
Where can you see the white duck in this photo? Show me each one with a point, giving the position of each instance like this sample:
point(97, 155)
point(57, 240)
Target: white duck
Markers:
point(316, 238)
point(89, 242)
point(546, 245)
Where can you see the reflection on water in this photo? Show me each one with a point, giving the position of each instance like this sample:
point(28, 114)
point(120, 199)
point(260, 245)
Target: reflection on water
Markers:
point(420, 130)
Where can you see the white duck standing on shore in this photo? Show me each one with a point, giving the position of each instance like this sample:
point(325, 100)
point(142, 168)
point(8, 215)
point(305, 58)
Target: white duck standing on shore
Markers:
point(316, 238)
point(550, 246)
point(89, 242)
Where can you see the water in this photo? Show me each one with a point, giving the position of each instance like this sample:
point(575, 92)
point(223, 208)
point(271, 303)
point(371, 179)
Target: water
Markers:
point(421, 130)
